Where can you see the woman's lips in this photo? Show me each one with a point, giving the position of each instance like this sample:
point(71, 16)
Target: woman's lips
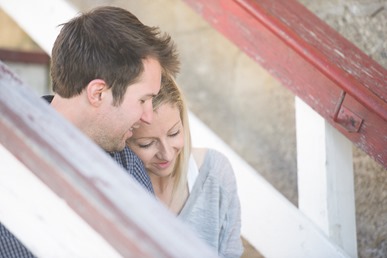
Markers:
point(163, 165)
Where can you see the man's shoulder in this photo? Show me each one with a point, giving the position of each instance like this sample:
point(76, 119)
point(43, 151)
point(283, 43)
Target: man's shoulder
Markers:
point(134, 166)
point(127, 152)
point(127, 158)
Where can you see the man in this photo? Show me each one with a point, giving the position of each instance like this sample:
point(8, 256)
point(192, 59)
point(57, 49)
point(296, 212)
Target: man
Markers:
point(106, 67)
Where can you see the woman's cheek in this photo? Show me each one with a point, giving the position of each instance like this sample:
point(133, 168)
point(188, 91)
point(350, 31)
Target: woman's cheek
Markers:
point(147, 156)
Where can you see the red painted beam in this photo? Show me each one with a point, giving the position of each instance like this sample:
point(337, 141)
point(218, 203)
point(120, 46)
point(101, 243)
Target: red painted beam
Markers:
point(317, 64)
point(24, 56)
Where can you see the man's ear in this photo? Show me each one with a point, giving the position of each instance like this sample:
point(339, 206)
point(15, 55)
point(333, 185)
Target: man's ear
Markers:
point(95, 90)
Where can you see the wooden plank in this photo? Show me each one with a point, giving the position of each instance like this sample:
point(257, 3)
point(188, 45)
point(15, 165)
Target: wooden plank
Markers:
point(91, 183)
point(325, 177)
point(312, 60)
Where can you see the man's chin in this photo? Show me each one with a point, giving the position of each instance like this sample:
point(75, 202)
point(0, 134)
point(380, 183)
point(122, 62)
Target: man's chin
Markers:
point(115, 148)
point(121, 147)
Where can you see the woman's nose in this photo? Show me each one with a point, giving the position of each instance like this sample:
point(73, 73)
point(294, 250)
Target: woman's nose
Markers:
point(166, 152)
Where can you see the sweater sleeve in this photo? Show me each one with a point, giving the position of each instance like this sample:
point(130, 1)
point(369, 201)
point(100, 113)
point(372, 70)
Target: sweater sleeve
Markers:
point(230, 242)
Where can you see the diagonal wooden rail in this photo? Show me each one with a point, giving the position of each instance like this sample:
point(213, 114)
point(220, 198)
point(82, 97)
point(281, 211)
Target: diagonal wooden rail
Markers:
point(316, 63)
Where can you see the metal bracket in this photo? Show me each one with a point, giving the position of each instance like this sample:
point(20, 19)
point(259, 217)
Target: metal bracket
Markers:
point(345, 117)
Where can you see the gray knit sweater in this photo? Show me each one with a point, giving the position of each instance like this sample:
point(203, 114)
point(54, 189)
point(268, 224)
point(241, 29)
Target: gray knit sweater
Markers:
point(213, 209)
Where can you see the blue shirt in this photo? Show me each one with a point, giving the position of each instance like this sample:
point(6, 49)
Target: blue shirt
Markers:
point(134, 166)
point(10, 246)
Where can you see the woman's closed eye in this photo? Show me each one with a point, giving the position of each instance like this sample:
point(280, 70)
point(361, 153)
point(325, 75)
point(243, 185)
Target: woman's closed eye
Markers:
point(145, 145)
point(174, 134)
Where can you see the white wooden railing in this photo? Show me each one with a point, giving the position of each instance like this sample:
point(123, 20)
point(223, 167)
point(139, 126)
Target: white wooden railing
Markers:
point(324, 224)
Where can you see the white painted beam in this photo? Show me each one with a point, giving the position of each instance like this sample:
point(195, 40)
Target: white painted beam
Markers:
point(325, 177)
point(40, 19)
point(40, 219)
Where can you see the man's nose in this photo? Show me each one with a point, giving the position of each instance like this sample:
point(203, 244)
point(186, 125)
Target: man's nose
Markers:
point(147, 115)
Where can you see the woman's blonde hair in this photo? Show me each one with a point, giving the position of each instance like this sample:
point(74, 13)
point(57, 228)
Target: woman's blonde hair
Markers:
point(170, 93)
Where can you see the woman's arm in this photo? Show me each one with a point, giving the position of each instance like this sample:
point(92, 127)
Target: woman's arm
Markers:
point(230, 242)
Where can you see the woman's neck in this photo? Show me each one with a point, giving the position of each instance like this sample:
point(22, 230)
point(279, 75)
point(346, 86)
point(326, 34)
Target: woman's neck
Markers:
point(164, 191)
point(163, 188)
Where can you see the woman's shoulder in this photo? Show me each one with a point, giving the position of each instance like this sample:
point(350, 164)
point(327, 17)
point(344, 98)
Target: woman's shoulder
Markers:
point(214, 162)
point(208, 156)
point(217, 158)
point(199, 154)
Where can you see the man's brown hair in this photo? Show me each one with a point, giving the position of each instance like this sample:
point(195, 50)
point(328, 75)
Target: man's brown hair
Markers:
point(107, 43)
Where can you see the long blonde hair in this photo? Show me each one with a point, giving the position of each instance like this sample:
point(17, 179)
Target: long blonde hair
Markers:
point(170, 93)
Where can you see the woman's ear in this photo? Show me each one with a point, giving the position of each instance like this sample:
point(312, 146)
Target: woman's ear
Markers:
point(95, 90)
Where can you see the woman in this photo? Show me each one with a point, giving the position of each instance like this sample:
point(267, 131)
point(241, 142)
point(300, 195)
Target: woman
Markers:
point(199, 187)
